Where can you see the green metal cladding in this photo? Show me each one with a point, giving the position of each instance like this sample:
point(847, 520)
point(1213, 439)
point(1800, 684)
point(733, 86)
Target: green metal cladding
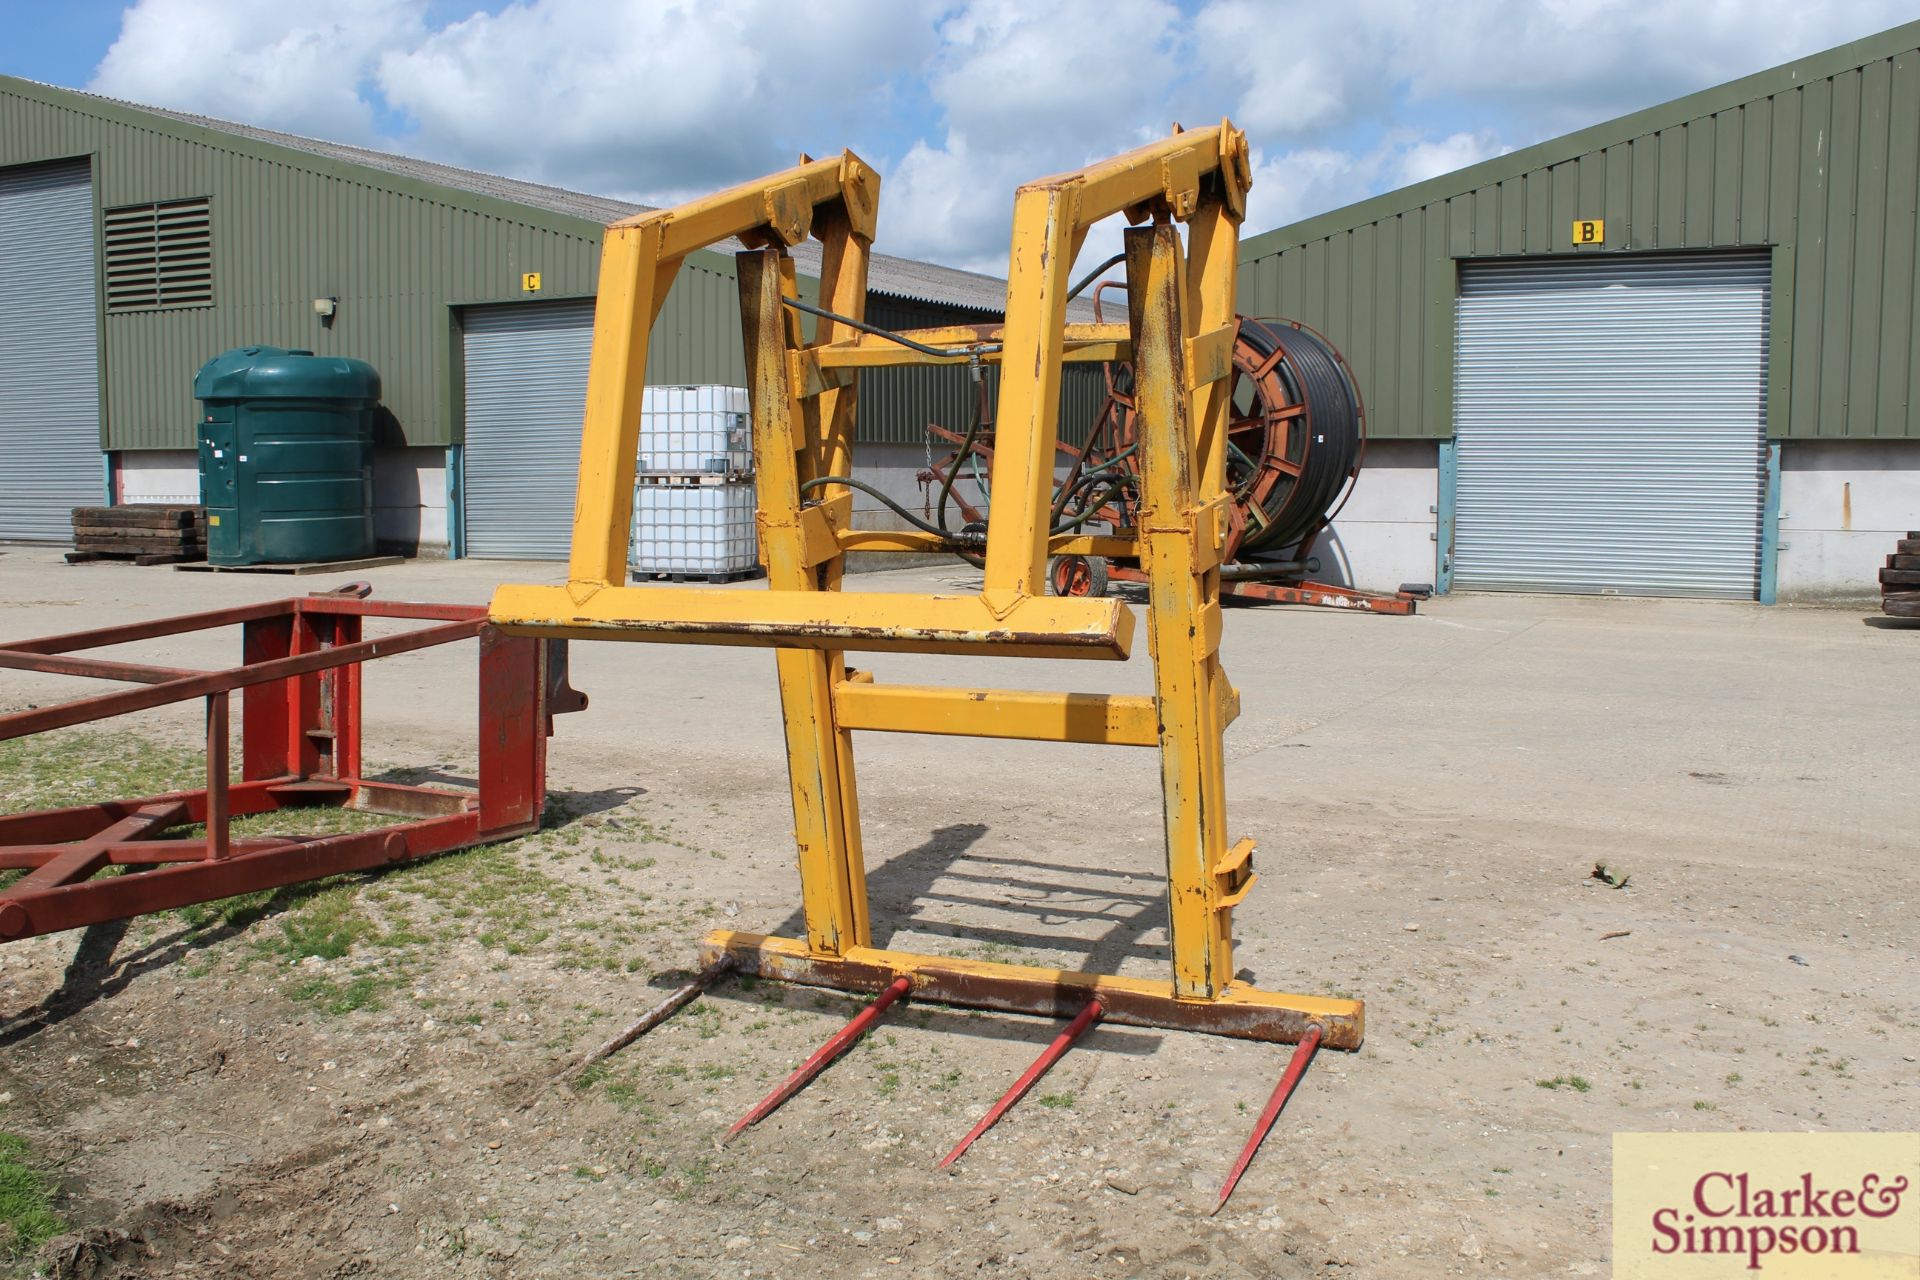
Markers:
point(1817, 161)
point(896, 405)
point(402, 255)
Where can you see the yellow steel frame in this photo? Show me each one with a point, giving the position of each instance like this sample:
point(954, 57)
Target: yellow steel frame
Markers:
point(1179, 337)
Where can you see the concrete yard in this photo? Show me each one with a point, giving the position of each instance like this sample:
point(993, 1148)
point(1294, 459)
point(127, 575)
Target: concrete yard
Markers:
point(1430, 795)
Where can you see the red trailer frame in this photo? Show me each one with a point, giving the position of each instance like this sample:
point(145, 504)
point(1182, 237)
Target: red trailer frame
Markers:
point(300, 687)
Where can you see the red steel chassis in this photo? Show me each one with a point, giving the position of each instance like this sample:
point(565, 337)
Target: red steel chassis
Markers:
point(300, 693)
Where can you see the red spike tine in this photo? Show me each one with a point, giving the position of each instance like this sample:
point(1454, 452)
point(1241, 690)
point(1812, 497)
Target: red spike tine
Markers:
point(837, 1044)
point(1041, 1065)
point(1302, 1055)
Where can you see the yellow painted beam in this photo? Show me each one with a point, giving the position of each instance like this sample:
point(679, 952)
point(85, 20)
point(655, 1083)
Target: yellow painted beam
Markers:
point(1105, 719)
point(782, 205)
point(1085, 342)
point(829, 366)
point(1239, 1009)
point(864, 621)
point(1110, 719)
point(916, 541)
point(1114, 546)
point(1168, 170)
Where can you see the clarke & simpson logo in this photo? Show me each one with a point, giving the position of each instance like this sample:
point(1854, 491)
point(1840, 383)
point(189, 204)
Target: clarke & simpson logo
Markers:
point(1689, 1206)
point(1726, 1215)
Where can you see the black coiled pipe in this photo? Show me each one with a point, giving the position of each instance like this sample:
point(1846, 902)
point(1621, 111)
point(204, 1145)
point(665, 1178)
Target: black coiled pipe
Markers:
point(1316, 378)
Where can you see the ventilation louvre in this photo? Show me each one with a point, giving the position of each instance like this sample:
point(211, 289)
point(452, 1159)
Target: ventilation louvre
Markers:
point(159, 255)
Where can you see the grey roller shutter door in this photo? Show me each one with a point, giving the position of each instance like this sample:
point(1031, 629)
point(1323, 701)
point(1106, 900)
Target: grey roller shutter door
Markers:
point(49, 352)
point(1611, 420)
point(526, 380)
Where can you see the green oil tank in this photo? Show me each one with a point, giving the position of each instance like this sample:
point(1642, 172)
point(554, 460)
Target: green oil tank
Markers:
point(286, 456)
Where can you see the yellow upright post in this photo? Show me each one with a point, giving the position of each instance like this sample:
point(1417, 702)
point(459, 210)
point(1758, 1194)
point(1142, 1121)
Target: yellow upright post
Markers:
point(826, 817)
point(633, 288)
point(1181, 558)
point(1026, 423)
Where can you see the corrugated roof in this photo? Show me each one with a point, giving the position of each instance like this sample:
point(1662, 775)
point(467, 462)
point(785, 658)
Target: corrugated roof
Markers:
point(897, 277)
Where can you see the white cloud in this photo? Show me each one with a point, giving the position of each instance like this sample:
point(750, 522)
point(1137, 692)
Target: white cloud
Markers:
point(655, 101)
point(1298, 70)
point(1025, 90)
point(288, 64)
point(1429, 158)
point(957, 102)
point(1569, 65)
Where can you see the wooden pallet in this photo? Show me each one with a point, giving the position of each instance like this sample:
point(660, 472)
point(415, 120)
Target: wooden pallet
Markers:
point(300, 567)
point(738, 575)
point(1900, 579)
point(691, 479)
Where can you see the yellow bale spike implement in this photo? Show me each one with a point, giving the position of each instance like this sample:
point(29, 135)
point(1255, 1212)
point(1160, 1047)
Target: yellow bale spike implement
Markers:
point(1179, 337)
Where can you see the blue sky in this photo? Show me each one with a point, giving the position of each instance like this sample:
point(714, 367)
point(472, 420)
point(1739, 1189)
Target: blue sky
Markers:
point(955, 103)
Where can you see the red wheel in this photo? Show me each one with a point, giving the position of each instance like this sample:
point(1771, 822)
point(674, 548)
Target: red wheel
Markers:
point(1078, 576)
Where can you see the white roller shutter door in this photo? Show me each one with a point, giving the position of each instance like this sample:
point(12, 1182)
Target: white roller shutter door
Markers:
point(1611, 420)
point(526, 392)
point(49, 352)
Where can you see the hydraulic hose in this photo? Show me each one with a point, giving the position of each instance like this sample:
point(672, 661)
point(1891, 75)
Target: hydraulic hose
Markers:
point(957, 539)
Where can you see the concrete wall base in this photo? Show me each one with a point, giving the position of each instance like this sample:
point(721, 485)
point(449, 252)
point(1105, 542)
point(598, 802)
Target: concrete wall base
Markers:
point(1843, 504)
point(409, 492)
point(1383, 536)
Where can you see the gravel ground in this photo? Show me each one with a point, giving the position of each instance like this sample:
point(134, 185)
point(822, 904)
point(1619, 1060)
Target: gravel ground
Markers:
point(356, 1079)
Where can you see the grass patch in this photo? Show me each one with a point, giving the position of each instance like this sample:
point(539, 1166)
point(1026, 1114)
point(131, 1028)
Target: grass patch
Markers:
point(73, 766)
point(348, 942)
point(1058, 1101)
point(27, 1216)
point(1579, 1084)
point(340, 998)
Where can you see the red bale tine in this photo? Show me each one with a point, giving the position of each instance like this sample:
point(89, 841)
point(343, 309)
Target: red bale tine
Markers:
point(679, 999)
point(841, 1041)
point(1030, 1077)
point(1302, 1055)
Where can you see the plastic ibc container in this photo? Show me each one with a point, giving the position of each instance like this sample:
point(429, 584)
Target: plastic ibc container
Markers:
point(697, 530)
point(687, 431)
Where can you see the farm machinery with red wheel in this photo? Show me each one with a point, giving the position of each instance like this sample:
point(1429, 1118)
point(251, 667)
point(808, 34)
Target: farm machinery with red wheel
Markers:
point(1296, 441)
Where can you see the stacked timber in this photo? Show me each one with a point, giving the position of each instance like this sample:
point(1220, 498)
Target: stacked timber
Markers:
point(1900, 580)
point(145, 533)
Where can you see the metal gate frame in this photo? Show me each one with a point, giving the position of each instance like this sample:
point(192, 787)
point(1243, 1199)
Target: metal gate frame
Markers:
point(300, 685)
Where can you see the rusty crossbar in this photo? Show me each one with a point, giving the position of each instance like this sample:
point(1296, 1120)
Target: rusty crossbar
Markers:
point(300, 684)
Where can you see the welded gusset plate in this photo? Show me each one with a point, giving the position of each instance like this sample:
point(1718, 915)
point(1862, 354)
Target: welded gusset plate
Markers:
point(1241, 1011)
